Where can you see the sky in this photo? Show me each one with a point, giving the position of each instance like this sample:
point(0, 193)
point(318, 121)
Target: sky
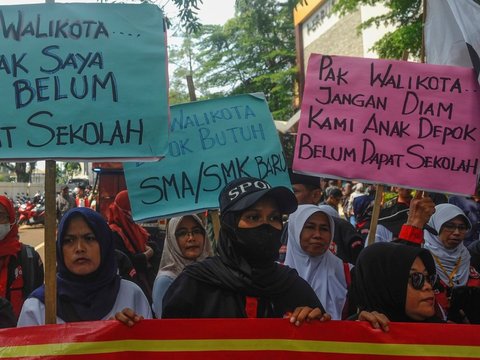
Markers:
point(211, 12)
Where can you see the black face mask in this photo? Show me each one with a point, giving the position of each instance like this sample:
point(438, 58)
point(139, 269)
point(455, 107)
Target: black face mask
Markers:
point(259, 245)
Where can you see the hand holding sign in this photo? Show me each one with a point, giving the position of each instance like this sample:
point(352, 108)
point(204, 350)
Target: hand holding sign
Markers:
point(421, 208)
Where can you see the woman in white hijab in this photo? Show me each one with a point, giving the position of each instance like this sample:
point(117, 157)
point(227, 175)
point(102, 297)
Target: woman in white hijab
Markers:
point(310, 232)
point(452, 259)
point(185, 243)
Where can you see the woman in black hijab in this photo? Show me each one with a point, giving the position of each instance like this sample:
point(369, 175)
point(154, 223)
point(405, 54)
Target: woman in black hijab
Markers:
point(244, 280)
point(393, 282)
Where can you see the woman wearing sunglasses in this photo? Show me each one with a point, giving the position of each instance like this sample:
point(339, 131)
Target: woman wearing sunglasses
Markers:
point(394, 282)
point(185, 243)
point(452, 259)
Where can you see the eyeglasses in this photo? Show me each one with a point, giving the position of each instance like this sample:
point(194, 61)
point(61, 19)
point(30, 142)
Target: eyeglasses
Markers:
point(451, 227)
point(417, 280)
point(182, 234)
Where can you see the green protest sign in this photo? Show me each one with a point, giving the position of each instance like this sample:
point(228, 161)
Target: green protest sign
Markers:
point(211, 143)
point(83, 81)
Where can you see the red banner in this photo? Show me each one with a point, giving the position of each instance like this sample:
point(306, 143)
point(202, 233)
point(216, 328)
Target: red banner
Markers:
point(239, 339)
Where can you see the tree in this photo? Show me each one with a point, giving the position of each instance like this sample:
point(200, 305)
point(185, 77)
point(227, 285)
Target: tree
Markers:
point(71, 168)
point(187, 12)
point(23, 172)
point(183, 58)
point(253, 52)
point(405, 15)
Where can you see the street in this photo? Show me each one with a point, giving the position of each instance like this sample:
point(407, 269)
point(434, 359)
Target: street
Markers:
point(34, 236)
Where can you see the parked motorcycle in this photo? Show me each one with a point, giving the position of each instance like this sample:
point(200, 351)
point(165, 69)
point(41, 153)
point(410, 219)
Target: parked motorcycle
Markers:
point(32, 213)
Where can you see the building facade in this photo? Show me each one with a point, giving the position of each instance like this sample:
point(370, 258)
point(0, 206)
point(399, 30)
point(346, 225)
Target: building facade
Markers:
point(319, 30)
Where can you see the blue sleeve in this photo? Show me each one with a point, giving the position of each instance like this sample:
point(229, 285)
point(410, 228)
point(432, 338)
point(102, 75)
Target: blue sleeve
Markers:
point(160, 287)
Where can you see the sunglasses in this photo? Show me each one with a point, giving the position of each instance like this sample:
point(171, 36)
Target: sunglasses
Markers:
point(417, 280)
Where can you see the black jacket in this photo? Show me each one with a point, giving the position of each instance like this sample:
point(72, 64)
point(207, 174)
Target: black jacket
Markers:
point(188, 297)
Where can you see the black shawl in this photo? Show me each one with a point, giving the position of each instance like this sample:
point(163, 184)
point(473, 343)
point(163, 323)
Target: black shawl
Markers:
point(382, 275)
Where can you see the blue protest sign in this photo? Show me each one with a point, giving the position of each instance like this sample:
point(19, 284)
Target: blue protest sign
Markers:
point(83, 81)
point(211, 143)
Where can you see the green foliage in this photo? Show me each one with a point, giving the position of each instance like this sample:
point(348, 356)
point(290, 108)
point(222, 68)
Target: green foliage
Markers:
point(23, 172)
point(389, 195)
point(61, 176)
point(253, 52)
point(66, 170)
point(288, 145)
point(71, 168)
point(187, 12)
point(405, 15)
point(405, 39)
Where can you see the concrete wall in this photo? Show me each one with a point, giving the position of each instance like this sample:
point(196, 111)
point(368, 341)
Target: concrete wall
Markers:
point(339, 39)
point(12, 189)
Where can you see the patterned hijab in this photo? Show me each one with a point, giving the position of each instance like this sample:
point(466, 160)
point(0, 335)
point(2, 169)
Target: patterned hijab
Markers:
point(325, 273)
point(120, 220)
point(449, 258)
point(91, 296)
point(173, 261)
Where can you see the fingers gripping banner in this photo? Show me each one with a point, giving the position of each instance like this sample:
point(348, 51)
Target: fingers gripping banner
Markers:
point(240, 339)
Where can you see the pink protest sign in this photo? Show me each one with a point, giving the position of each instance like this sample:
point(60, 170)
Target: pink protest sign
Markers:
point(391, 122)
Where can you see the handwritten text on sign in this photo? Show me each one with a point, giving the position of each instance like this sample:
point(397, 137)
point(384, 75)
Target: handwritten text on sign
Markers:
point(211, 143)
point(82, 81)
point(391, 122)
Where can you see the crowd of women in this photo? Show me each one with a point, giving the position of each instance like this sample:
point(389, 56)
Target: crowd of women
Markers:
point(424, 276)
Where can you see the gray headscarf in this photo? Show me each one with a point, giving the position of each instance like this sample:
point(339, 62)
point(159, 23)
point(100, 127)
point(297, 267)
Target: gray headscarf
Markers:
point(173, 262)
point(448, 257)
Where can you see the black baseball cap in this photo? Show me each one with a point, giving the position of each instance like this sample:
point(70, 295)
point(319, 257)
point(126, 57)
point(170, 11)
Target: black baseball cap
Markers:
point(242, 193)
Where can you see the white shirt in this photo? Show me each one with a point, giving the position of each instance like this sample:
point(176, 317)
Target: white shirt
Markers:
point(382, 235)
point(129, 295)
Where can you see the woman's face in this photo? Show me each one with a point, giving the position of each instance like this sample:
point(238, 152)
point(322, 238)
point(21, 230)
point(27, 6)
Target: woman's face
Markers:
point(81, 250)
point(316, 235)
point(264, 211)
point(190, 238)
point(452, 232)
point(420, 303)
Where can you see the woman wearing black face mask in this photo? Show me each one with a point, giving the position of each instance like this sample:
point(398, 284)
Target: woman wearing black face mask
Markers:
point(244, 280)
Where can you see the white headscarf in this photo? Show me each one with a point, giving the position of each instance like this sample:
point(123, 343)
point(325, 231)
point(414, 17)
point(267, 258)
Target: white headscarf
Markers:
point(448, 257)
point(173, 262)
point(324, 273)
point(330, 211)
